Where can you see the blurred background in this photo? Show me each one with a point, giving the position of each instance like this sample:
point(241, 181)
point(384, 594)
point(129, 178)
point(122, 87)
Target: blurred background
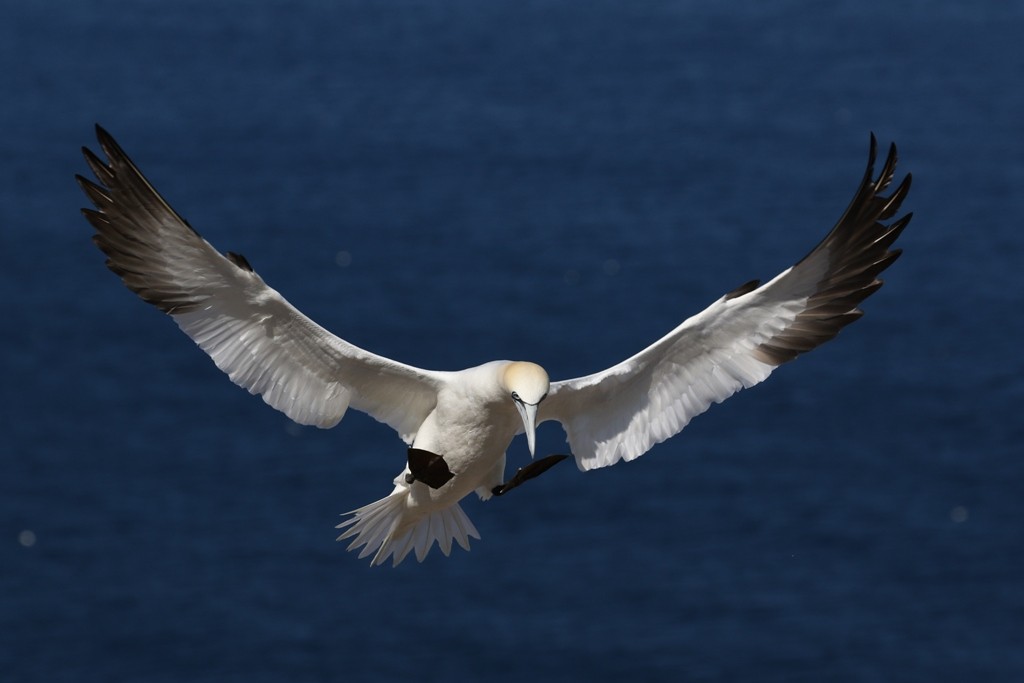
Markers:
point(448, 182)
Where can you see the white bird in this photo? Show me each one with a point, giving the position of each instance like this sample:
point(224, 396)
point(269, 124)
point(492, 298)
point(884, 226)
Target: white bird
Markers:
point(458, 425)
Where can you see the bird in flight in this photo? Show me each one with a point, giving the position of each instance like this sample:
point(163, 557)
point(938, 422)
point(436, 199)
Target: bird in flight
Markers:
point(457, 425)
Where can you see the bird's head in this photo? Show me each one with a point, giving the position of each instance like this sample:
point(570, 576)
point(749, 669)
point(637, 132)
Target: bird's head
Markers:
point(527, 385)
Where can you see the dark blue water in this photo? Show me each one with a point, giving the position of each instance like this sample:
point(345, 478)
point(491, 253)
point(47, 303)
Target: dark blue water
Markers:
point(450, 182)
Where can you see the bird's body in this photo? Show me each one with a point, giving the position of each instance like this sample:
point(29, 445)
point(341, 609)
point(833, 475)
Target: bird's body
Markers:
point(458, 425)
point(471, 426)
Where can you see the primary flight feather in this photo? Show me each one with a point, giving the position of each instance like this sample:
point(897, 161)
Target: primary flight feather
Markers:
point(457, 425)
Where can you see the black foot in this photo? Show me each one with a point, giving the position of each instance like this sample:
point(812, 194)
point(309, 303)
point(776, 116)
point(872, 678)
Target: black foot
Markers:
point(430, 468)
point(534, 469)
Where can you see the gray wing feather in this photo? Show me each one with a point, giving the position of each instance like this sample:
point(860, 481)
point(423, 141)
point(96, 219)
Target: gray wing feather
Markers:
point(249, 330)
point(621, 412)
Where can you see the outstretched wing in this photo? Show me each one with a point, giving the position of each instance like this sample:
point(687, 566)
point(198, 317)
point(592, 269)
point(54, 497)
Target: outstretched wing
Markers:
point(621, 412)
point(249, 330)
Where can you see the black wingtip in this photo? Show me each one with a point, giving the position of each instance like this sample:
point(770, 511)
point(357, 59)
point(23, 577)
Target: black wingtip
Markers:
point(104, 174)
point(106, 140)
point(869, 172)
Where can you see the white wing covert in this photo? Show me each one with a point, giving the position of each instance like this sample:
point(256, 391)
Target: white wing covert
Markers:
point(620, 413)
point(249, 330)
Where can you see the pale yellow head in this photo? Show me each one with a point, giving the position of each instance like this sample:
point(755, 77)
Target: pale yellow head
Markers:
point(526, 380)
point(527, 384)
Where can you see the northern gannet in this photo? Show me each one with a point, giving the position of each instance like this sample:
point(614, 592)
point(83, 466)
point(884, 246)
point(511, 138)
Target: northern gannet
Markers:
point(458, 425)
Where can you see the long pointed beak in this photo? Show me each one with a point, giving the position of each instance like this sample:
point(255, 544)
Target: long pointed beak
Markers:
point(529, 414)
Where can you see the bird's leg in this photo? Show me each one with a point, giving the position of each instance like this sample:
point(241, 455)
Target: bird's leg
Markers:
point(534, 469)
point(430, 468)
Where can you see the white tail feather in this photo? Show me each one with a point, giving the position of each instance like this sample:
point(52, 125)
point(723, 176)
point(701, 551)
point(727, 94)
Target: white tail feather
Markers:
point(393, 530)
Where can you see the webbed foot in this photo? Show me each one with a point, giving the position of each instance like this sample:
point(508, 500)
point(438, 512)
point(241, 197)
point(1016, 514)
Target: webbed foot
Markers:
point(430, 468)
point(534, 469)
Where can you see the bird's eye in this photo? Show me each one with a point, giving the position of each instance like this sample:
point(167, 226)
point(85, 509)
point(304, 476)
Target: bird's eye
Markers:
point(515, 397)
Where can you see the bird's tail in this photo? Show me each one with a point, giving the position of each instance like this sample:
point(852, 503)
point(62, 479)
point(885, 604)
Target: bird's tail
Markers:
point(388, 527)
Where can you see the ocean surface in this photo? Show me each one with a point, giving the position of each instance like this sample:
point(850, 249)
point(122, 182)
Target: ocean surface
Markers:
point(447, 182)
